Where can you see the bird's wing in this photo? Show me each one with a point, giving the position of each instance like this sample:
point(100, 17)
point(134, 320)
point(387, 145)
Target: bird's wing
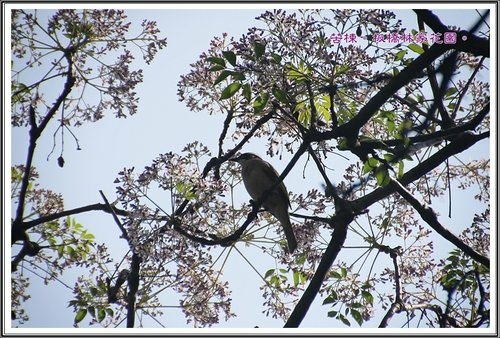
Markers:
point(273, 176)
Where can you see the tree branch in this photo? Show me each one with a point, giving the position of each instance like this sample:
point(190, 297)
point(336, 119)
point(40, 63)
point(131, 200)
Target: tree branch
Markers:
point(392, 145)
point(225, 241)
point(457, 145)
point(466, 40)
point(430, 217)
point(351, 128)
point(115, 218)
point(133, 286)
point(18, 233)
point(398, 304)
point(217, 161)
point(91, 207)
point(340, 223)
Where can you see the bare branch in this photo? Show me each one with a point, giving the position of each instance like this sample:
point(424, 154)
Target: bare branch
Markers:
point(429, 216)
point(91, 207)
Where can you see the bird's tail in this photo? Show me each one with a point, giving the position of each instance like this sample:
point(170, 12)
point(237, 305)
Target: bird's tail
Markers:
point(288, 230)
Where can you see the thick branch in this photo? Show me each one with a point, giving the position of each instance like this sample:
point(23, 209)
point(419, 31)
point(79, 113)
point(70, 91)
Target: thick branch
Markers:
point(351, 128)
point(397, 305)
point(445, 134)
point(429, 216)
point(91, 207)
point(340, 224)
point(35, 132)
point(27, 249)
point(133, 286)
point(466, 40)
point(459, 144)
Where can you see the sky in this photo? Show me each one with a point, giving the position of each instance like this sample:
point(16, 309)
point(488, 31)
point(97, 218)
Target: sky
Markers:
point(160, 126)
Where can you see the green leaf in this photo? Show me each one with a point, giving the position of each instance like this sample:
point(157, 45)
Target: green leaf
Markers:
point(247, 92)
point(87, 236)
point(294, 73)
point(80, 315)
point(400, 55)
point(329, 300)
point(60, 251)
point(335, 275)
point(357, 316)
point(391, 125)
point(230, 57)
point(222, 76)
point(276, 58)
point(259, 49)
point(323, 105)
point(342, 144)
point(344, 319)
point(389, 157)
point(305, 116)
point(332, 314)
point(450, 91)
point(230, 90)
point(296, 278)
point(343, 272)
point(368, 297)
point(280, 95)
point(416, 48)
point(94, 291)
point(238, 76)
point(382, 175)
point(20, 89)
point(303, 278)
point(269, 273)
point(101, 314)
point(260, 102)
point(297, 74)
point(15, 174)
point(216, 68)
point(71, 252)
point(217, 61)
point(369, 165)
point(401, 168)
point(407, 61)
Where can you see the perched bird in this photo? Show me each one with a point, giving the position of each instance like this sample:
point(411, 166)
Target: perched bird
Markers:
point(258, 177)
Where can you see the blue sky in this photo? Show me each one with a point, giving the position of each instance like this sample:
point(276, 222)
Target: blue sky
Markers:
point(160, 126)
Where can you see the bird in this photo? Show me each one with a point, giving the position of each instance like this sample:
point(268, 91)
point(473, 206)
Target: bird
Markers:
point(259, 177)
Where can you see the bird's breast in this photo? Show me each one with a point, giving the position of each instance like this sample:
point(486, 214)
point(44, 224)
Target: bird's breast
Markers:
point(255, 182)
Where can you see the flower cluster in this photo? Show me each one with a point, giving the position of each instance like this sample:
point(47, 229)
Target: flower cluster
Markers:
point(86, 43)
